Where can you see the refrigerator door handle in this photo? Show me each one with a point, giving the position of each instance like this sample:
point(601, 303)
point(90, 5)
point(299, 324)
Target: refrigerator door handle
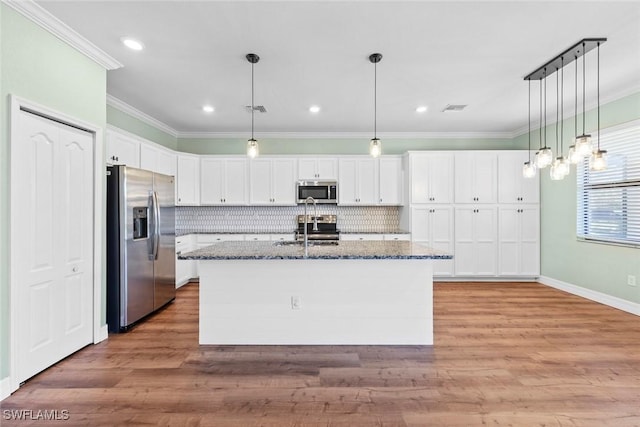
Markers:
point(156, 234)
point(151, 245)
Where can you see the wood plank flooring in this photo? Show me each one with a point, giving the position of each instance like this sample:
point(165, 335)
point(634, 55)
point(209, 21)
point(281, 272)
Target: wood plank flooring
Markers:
point(517, 354)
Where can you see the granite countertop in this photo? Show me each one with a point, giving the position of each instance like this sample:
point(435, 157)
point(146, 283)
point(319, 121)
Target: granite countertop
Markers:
point(344, 250)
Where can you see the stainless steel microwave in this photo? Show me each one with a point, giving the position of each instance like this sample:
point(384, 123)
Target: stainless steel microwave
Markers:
point(321, 191)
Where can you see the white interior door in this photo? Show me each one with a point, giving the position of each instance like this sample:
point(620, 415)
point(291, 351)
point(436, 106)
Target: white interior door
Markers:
point(53, 241)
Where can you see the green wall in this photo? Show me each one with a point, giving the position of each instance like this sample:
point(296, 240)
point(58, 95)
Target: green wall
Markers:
point(339, 146)
point(37, 66)
point(599, 267)
point(124, 121)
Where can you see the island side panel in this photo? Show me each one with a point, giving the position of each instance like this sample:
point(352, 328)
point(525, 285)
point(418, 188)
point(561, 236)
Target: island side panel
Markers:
point(345, 301)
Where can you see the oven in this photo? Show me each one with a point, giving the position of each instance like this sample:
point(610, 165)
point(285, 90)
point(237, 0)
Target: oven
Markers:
point(327, 228)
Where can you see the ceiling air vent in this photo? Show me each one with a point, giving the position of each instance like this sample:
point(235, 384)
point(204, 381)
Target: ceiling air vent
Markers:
point(453, 108)
point(258, 108)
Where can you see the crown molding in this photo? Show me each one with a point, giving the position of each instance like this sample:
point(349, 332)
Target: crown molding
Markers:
point(134, 112)
point(346, 135)
point(40, 16)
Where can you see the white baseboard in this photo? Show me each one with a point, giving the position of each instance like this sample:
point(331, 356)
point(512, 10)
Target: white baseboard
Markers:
point(5, 388)
point(103, 334)
point(611, 301)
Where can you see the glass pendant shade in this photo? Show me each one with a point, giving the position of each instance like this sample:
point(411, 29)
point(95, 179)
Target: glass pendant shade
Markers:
point(529, 170)
point(583, 145)
point(375, 147)
point(252, 148)
point(574, 157)
point(556, 171)
point(598, 160)
point(563, 166)
point(544, 157)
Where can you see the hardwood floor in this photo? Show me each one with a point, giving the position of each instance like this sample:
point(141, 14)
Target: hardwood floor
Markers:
point(517, 354)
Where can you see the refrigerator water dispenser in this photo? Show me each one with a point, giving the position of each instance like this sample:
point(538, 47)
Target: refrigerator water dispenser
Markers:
point(140, 223)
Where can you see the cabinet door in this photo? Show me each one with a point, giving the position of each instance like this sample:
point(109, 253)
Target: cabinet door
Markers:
point(307, 168)
point(348, 185)
point(122, 150)
point(475, 241)
point(509, 241)
point(261, 182)
point(148, 158)
point(188, 180)
point(420, 224)
point(327, 168)
point(440, 169)
point(166, 163)
point(284, 181)
point(512, 186)
point(212, 173)
point(441, 238)
point(530, 240)
point(363, 237)
point(236, 181)
point(390, 181)
point(419, 167)
point(367, 182)
point(485, 177)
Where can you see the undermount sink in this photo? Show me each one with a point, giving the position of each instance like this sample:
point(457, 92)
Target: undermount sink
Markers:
point(311, 243)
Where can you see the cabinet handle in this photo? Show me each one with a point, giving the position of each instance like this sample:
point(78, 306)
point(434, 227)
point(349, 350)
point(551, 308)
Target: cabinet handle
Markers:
point(380, 200)
point(179, 199)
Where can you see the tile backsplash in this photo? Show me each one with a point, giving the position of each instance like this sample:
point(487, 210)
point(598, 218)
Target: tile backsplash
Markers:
point(281, 219)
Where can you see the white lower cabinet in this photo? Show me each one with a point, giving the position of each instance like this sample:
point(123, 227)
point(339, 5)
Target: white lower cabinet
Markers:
point(288, 237)
point(433, 226)
point(361, 236)
point(185, 269)
point(519, 242)
point(398, 237)
point(476, 248)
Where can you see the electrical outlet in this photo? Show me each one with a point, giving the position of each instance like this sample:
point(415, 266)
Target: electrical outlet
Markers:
point(295, 303)
point(631, 280)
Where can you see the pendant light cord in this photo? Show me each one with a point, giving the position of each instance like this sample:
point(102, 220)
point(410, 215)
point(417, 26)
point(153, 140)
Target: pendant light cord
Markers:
point(545, 107)
point(557, 106)
point(598, 96)
point(540, 124)
point(252, 107)
point(583, 87)
point(575, 121)
point(561, 108)
point(529, 120)
point(375, 99)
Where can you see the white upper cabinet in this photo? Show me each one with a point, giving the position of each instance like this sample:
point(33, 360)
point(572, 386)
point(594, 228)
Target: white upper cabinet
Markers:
point(272, 181)
point(317, 168)
point(223, 181)
point(188, 180)
point(390, 180)
point(431, 177)
point(122, 149)
point(157, 159)
point(358, 183)
point(476, 177)
point(512, 186)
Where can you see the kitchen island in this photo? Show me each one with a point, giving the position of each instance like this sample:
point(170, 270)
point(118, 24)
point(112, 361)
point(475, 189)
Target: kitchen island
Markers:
point(353, 293)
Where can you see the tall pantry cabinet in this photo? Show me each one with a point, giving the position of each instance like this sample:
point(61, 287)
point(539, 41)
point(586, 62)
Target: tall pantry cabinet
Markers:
point(477, 206)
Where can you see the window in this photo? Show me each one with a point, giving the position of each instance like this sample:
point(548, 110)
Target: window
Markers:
point(609, 200)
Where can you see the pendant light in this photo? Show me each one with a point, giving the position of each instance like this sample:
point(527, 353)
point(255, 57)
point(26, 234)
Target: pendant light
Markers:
point(598, 160)
point(544, 157)
point(375, 146)
point(529, 168)
point(252, 145)
point(583, 142)
point(574, 156)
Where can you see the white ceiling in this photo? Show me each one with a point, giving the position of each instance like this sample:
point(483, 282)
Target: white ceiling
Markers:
point(316, 52)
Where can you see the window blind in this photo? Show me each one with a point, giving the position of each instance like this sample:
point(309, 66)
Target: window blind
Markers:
point(609, 200)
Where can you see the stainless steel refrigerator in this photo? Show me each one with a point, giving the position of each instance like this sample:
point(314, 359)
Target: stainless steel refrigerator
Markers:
point(141, 275)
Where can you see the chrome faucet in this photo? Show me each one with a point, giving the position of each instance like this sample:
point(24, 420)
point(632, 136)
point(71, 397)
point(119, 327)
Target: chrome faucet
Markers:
point(315, 222)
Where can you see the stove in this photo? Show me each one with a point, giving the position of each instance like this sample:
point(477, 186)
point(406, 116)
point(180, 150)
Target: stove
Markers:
point(327, 228)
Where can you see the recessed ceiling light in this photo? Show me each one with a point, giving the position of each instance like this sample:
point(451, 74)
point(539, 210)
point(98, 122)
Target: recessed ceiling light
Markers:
point(132, 44)
point(314, 109)
point(208, 109)
point(421, 109)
